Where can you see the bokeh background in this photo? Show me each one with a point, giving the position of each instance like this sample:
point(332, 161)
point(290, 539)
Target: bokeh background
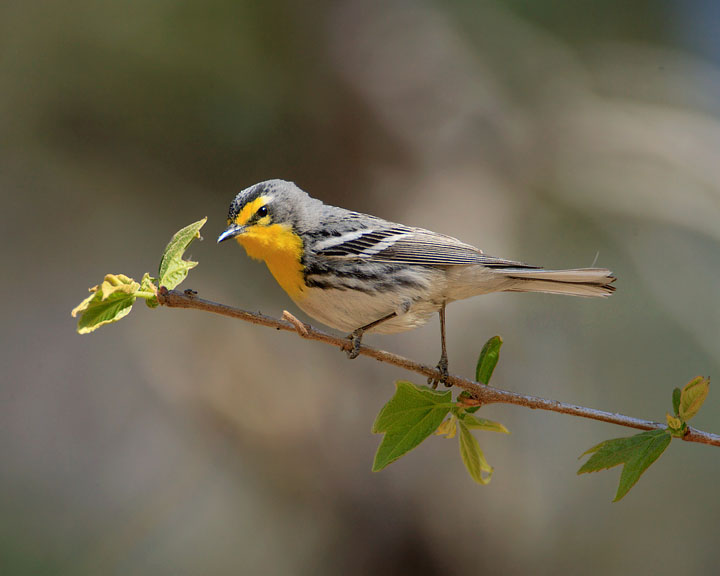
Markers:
point(177, 442)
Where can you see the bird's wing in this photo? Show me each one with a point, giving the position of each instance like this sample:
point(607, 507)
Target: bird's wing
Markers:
point(405, 245)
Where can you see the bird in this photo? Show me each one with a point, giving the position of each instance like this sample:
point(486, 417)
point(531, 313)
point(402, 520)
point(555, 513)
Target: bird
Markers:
point(359, 273)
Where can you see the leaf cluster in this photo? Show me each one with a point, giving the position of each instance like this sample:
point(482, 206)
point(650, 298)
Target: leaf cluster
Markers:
point(636, 453)
point(113, 299)
point(416, 412)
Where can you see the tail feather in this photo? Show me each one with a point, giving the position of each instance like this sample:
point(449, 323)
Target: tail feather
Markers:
point(588, 282)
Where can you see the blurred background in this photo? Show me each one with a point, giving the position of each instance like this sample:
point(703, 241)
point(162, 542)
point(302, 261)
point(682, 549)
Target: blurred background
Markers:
point(565, 134)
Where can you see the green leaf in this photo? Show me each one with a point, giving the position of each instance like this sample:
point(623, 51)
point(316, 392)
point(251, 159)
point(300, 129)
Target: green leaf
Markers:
point(637, 453)
point(107, 303)
point(489, 356)
point(692, 397)
point(676, 401)
point(173, 269)
point(147, 285)
point(473, 457)
point(475, 423)
point(411, 415)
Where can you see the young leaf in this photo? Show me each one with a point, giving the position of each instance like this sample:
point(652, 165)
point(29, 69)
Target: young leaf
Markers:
point(448, 428)
point(107, 303)
point(473, 457)
point(676, 401)
point(637, 453)
point(481, 424)
point(173, 269)
point(692, 397)
point(147, 284)
point(411, 415)
point(674, 424)
point(489, 356)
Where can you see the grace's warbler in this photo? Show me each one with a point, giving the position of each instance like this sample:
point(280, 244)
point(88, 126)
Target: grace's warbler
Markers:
point(359, 273)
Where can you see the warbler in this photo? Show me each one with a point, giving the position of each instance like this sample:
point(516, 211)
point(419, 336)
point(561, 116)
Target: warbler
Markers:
point(359, 273)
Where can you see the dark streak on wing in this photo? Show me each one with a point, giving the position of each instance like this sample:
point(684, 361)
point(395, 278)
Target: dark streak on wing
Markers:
point(418, 247)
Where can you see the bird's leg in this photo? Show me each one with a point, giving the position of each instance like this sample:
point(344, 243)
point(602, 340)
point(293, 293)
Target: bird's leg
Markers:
point(356, 336)
point(442, 366)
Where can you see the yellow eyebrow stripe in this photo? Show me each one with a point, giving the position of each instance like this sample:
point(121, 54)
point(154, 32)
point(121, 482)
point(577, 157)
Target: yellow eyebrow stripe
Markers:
point(249, 209)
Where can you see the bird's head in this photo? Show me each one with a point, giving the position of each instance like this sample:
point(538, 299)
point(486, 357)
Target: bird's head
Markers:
point(258, 208)
point(266, 218)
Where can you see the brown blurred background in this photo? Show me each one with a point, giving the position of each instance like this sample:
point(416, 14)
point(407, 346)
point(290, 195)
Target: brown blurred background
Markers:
point(176, 442)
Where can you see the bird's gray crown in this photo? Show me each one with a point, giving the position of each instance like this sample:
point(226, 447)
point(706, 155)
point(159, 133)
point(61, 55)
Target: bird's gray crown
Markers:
point(285, 197)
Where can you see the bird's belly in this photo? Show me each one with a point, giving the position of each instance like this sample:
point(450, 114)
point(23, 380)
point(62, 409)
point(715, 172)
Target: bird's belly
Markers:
point(348, 310)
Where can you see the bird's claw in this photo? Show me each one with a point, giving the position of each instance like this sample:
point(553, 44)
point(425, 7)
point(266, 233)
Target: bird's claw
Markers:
point(355, 342)
point(441, 367)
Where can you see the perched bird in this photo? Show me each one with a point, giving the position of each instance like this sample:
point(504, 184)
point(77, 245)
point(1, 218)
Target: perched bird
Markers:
point(359, 273)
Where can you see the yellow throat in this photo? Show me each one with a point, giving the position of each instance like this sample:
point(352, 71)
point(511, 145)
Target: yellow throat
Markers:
point(281, 249)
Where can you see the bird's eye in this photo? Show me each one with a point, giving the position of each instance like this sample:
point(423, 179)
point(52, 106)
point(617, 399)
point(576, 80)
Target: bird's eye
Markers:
point(262, 212)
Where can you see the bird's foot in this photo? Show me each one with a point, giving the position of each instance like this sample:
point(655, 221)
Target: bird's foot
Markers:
point(442, 367)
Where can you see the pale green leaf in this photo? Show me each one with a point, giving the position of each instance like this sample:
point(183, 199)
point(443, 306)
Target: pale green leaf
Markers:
point(85, 304)
point(117, 283)
point(147, 285)
point(411, 415)
point(173, 269)
point(475, 423)
point(692, 397)
point(105, 312)
point(107, 303)
point(473, 457)
point(448, 428)
point(673, 422)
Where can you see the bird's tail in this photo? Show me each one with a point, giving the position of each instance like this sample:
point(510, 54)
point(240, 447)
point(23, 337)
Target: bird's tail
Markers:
point(588, 282)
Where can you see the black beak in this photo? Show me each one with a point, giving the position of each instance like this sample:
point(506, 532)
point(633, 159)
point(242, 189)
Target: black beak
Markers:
point(232, 231)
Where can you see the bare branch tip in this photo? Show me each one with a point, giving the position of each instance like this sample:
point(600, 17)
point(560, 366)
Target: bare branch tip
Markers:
point(299, 326)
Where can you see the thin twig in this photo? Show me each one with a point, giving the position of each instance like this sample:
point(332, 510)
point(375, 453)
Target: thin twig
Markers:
point(299, 326)
point(484, 394)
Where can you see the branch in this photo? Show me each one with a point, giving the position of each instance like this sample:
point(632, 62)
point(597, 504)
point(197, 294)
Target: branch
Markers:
point(483, 394)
